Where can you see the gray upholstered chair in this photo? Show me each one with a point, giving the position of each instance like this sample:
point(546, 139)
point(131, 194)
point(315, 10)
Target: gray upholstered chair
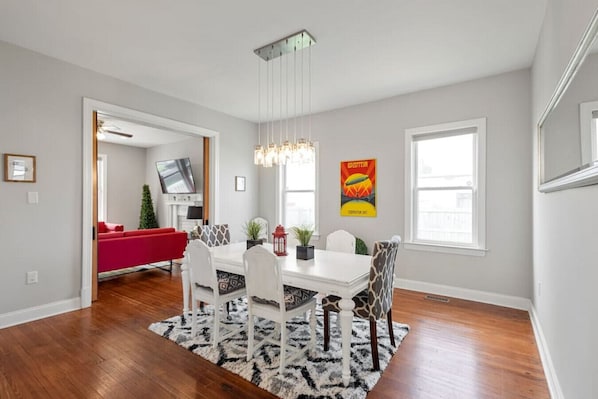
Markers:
point(212, 286)
point(215, 235)
point(375, 302)
point(268, 298)
point(340, 241)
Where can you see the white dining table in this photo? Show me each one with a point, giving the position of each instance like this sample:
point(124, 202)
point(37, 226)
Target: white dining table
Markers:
point(334, 273)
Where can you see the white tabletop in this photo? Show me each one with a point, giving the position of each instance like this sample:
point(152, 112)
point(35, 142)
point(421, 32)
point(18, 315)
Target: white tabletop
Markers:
point(337, 273)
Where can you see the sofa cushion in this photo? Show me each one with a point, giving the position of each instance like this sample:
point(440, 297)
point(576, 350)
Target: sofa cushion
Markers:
point(115, 227)
point(102, 227)
point(144, 232)
point(110, 234)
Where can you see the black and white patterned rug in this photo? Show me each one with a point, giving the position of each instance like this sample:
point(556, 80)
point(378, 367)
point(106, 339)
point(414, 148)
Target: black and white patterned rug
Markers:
point(319, 375)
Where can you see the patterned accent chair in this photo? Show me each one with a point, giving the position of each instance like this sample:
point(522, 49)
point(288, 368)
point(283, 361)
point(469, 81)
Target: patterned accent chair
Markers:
point(215, 235)
point(375, 302)
point(268, 298)
point(211, 286)
point(340, 241)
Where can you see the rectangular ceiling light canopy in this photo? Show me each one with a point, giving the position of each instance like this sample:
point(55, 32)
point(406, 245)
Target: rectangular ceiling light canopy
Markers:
point(294, 42)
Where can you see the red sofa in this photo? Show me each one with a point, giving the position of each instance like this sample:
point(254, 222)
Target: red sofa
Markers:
point(122, 249)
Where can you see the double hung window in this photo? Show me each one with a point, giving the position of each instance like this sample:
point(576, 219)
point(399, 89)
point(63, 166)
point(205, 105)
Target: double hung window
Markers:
point(298, 194)
point(445, 190)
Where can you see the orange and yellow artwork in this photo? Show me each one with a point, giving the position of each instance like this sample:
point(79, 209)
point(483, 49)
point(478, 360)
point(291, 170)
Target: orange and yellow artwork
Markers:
point(358, 188)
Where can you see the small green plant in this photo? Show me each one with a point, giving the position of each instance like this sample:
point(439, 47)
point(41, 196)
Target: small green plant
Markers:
point(360, 247)
point(252, 229)
point(303, 233)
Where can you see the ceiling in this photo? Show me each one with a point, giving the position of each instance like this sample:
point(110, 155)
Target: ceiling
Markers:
point(144, 136)
point(202, 50)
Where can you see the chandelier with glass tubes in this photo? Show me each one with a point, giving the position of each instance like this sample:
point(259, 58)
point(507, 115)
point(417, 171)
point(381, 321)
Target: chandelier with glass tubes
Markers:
point(293, 128)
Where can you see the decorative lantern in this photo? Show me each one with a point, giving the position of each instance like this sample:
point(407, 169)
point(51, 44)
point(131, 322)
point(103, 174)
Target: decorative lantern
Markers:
point(279, 241)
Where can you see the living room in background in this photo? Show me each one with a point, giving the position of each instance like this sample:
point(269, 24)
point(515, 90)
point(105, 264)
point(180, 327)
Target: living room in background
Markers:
point(445, 170)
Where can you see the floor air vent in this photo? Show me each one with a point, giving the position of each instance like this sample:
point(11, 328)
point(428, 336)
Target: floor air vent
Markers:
point(436, 298)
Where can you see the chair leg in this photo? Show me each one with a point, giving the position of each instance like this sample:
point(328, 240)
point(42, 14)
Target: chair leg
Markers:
point(326, 329)
point(249, 336)
point(216, 329)
point(283, 345)
point(193, 317)
point(374, 342)
point(390, 330)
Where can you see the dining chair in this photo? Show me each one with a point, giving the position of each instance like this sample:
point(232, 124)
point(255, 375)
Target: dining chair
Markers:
point(265, 233)
point(375, 302)
point(215, 235)
point(340, 241)
point(268, 298)
point(211, 286)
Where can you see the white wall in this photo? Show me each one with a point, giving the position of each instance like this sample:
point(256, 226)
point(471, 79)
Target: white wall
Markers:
point(125, 179)
point(41, 114)
point(191, 148)
point(565, 229)
point(376, 130)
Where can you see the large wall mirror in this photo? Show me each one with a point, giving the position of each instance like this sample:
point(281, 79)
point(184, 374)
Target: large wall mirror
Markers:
point(568, 128)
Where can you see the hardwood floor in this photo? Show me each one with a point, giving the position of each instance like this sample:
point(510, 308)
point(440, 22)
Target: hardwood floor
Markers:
point(460, 349)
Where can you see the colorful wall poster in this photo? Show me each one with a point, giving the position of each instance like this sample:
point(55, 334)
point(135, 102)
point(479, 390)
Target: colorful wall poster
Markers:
point(358, 188)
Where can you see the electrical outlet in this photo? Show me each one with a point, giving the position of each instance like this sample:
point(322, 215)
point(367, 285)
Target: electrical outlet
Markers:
point(32, 277)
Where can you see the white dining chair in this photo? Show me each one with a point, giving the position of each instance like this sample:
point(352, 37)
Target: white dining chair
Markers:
point(268, 298)
point(265, 233)
point(340, 241)
point(211, 286)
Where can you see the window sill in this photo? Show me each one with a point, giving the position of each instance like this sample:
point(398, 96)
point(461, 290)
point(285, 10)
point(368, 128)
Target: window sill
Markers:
point(446, 249)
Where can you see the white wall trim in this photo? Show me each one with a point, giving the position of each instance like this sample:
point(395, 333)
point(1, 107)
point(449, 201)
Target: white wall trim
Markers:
point(39, 312)
point(551, 377)
point(465, 293)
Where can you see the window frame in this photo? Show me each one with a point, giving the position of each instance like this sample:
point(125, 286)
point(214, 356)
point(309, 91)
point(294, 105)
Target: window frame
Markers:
point(281, 193)
point(102, 171)
point(412, 135)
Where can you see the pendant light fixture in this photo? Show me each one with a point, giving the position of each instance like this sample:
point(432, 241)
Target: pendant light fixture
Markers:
point(297, 150)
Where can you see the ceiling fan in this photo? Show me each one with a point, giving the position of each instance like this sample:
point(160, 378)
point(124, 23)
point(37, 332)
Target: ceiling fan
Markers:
point(107, 129)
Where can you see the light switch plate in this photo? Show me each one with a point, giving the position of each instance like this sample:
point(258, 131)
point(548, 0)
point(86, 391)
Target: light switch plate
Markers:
point(32, 197)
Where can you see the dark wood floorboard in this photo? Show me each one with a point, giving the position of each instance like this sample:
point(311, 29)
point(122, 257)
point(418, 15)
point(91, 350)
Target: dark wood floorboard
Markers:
point(459, 349)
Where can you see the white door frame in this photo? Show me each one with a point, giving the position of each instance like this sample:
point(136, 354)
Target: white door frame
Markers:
point(89, 106)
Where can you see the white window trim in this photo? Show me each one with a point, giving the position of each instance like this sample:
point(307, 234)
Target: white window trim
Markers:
point(479, 198)
point(279, 194)
point(587, 130)
point(103, 172)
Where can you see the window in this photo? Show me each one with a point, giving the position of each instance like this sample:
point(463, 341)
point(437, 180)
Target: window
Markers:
point(445, 187)
point(102, 201)
point(298, 194)
point(588, 122)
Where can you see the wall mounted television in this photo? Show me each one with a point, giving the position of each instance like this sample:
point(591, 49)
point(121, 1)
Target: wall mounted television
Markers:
point(176, 176)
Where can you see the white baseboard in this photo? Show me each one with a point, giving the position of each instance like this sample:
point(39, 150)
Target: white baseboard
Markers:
point(551, 378)
point(465, 293)
point(39, 312)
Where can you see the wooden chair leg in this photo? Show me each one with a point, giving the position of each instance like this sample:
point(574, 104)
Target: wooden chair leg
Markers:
point(326, 329)
point(374, 342)
point(390, 330)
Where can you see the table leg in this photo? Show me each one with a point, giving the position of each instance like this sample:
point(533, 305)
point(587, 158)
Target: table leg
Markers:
point(185, 282)
point(346, 319)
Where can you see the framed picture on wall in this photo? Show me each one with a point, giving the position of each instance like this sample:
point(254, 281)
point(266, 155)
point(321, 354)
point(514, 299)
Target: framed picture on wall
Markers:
point(19, 168)
point(239, 183)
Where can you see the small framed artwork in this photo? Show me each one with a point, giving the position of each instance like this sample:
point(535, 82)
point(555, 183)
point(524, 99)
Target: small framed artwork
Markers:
point(239, 183)
point(19, 168)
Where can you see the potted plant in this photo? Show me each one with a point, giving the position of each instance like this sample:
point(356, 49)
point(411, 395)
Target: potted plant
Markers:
point(303, 234)
point(252, 230)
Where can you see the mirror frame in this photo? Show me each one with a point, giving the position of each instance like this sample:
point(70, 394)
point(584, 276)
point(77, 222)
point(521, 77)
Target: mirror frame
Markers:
point(587, 174)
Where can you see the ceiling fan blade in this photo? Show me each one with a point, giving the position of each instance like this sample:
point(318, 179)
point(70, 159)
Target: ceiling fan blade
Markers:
point(122, 134)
